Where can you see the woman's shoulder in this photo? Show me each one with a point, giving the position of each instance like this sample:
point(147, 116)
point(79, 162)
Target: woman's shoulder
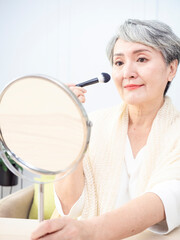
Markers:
point(103, 121)
point(105, 113)
point(175, 119)
point(172, 131)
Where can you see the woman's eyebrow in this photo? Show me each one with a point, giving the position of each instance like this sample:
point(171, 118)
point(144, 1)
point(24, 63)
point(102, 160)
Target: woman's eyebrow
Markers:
point(134, 52)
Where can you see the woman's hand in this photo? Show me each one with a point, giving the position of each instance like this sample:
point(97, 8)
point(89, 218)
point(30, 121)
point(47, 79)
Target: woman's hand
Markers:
point(78, 91)
point(63, 228)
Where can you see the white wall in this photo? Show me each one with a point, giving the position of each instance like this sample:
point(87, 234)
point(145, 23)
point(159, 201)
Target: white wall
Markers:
point(66, 39)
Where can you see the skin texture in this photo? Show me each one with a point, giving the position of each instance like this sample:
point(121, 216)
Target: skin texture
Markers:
point(140, 75)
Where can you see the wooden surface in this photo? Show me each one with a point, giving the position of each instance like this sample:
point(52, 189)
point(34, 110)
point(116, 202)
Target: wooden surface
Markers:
point(20, 229)
point(16, 229)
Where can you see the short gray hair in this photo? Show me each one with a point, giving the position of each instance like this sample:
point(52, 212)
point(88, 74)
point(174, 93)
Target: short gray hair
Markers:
point(152, 33)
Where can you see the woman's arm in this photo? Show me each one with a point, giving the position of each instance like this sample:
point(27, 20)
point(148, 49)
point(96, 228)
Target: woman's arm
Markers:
point(132, 218)
point(70, 188)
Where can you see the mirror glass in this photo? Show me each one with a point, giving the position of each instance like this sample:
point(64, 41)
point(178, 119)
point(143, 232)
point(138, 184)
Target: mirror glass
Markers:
point(43, 125)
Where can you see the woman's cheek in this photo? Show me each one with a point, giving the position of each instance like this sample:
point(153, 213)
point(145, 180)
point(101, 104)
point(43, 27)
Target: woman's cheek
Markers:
point(117, 81)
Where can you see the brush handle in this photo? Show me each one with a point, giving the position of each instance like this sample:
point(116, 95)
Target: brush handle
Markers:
point(88, 82)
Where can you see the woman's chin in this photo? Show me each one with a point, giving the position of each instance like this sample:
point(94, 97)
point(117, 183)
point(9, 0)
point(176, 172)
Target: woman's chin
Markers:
point(134, 100)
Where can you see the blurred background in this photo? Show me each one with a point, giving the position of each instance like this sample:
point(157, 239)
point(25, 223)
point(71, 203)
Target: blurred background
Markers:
point(66, 40)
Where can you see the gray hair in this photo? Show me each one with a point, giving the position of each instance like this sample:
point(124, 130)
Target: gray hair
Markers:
point(152, 33)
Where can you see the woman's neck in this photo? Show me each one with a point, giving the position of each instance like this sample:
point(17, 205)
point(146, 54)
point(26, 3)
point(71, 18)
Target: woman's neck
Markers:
point(143, 115)
point(140, 123)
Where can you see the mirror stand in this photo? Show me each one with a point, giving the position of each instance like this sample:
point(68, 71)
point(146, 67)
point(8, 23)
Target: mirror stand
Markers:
point(41, 202)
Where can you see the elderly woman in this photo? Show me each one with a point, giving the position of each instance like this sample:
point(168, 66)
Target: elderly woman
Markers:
point(130, 178)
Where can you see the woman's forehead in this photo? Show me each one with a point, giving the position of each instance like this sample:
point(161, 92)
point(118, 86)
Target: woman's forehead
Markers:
point(122, 46)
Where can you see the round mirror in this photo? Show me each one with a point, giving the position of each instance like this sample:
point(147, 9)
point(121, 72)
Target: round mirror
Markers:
point(43, 127)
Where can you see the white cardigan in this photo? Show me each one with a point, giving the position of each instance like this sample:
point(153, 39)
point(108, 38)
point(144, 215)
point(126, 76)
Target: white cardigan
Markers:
point(169, 193)
point(104, 161)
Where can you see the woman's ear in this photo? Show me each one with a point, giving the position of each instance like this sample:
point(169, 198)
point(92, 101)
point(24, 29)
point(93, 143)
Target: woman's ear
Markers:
point(173, 69)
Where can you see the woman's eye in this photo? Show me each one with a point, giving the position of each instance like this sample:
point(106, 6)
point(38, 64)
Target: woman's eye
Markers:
point(118, 63)
point(142, 59)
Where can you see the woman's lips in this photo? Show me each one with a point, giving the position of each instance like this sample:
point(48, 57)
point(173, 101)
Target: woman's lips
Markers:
point(132, 86)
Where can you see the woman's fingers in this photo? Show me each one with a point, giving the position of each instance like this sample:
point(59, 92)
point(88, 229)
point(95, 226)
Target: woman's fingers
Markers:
point(63, 228)
point(47, 227)
point(82, 99)
point(79, 92)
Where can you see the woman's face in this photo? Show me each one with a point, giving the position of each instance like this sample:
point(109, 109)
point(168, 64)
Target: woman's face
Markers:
point(140, 72)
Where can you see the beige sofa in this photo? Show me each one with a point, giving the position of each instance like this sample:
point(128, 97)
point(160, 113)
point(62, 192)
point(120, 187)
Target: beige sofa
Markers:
point(18, 204)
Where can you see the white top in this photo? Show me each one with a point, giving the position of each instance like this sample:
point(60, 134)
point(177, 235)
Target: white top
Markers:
point(169, 193)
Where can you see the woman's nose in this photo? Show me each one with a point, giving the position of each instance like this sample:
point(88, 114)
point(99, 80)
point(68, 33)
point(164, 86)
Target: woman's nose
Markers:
point(129, 71)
